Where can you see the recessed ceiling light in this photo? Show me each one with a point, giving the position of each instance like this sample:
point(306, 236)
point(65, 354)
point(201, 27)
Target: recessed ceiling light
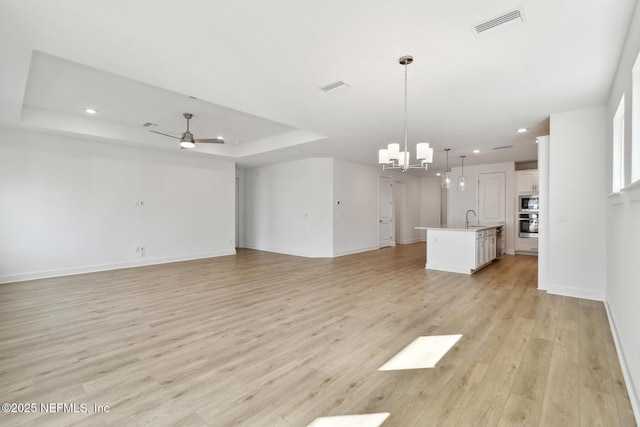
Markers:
point(522, 130)
point(438, 174)
point(90, 111)
point(476, 151)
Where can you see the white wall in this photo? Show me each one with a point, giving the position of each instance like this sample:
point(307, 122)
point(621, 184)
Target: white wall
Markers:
point(288, 207)
point(577, 216)
point(430, 203)
point(341, 200)
point(623, 230)
point(410, 210)
point(460, 201)
point(69, 206)
point(355, 219)
point(543, 217)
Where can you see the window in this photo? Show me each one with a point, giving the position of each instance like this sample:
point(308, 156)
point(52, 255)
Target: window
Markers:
point(635, 131)
point(618, 148)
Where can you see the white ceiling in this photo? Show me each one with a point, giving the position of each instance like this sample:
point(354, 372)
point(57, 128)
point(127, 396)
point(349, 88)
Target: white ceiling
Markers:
point(255, 68)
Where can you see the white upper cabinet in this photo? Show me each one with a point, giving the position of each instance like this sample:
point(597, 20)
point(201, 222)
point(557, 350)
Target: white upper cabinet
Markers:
point(527, 181)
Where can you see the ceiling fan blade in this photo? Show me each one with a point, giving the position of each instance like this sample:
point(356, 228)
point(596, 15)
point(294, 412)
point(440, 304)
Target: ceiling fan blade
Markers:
point(211, 141)
point(165, 134)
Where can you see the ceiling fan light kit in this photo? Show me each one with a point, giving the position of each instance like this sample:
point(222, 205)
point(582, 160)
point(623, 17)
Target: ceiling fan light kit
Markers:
point(392, 157)
point(187, 140)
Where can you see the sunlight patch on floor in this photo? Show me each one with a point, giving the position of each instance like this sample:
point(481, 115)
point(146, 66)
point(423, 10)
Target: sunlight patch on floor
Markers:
point(423, 352)
point(361, 420)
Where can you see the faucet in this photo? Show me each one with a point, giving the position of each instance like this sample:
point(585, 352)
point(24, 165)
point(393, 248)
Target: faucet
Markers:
point(466, 222)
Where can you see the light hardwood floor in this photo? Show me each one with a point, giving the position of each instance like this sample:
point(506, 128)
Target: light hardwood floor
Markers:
point(262, 339)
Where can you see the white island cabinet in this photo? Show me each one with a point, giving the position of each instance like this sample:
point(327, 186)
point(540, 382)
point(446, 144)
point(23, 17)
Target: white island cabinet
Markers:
point(459, 249)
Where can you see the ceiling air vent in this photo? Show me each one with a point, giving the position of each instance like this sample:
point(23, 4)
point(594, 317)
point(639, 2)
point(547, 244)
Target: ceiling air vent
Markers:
point(334, 86)
point(504, 147)
point(149, 124)
point(499, 23)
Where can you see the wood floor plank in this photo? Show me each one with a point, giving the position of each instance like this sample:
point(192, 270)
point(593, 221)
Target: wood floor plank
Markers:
point(566, 344)
point(594, 366)
point(490, 397)
point(263, 339)
point(524, 403)
point(447, 406)
point(561, 403)
point(597, 408)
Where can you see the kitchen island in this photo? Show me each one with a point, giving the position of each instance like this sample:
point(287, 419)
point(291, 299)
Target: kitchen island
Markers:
point(460, 250)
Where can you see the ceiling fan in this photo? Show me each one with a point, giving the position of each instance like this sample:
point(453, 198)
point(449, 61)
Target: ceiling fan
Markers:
point(187, 140)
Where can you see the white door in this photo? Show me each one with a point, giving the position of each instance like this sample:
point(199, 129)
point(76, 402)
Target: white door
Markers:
point(399, 203)
point(492, 198)
point(385, 211)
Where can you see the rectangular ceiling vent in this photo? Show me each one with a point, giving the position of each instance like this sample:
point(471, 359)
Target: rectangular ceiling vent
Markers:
point(334, 86)
point(499, 23)
point(504, 147)
point(149, 124)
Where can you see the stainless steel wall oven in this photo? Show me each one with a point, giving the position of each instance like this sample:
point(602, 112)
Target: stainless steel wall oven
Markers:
point(528, 225)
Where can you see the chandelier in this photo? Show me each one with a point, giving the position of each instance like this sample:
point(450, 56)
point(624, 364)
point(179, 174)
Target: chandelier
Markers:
point(392, 157)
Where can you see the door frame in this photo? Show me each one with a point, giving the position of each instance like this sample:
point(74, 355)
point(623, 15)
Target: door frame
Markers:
point(392, 211)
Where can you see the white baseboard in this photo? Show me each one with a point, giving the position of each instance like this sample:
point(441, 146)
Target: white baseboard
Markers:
point(408, 242)
point(275, 250)
point(628, 380)
point(287, 251)
point(451, 268)
point(310, 255)
point(575, 292)
point(355, 251)
point(44, 274)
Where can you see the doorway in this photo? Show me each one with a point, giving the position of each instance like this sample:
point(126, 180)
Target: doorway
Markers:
point(385, 212)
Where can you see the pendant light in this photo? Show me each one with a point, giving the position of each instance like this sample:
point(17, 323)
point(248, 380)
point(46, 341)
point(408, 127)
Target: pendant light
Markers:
point(446, 176)
point(461, 179)
point(391, 157)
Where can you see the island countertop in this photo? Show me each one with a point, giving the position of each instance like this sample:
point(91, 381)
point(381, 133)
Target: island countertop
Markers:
point(460, 227)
